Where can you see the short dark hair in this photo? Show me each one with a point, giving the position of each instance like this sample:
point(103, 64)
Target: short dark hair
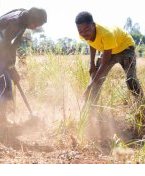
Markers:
point(37, 15)
point(84, 17)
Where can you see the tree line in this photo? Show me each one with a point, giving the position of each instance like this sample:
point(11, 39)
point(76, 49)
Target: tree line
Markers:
point(68, 46)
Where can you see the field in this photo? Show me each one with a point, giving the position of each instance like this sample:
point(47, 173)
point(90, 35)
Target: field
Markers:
point(62, 132)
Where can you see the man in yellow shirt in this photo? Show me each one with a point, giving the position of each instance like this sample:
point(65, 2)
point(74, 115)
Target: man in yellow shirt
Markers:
point(116, 46)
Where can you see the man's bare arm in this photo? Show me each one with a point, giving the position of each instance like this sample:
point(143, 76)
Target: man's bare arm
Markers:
point(106, 56)
point(92, 60)
point(104, 64)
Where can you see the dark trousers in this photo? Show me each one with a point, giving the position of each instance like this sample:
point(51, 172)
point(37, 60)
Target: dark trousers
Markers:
point(127, 59)
point(5, 92)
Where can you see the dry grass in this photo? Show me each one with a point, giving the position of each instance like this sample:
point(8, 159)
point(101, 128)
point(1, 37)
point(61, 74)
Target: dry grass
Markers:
point(54, 87)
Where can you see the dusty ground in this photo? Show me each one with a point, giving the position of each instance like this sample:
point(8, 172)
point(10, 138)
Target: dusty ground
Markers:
point(20, 144)
point(38, 141)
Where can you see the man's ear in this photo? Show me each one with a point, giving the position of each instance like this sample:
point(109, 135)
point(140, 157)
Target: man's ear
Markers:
point(94, 24)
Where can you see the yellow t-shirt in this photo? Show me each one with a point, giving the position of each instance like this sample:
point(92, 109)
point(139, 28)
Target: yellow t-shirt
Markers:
point(116, 39)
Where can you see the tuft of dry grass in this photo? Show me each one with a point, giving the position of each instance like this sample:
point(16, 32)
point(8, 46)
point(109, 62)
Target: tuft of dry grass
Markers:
point(54, 87)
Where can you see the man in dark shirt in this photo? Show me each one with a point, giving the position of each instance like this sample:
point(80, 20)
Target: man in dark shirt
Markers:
point(12, 26)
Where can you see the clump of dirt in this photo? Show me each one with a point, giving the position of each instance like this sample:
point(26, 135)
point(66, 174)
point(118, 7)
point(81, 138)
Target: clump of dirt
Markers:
point(103, 126)
point(39, 146)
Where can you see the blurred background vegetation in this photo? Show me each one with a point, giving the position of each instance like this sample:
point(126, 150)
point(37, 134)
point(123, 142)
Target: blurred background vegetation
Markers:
point(37, 42)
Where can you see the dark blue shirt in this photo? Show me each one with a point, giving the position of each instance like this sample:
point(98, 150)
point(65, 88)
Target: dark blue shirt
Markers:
point(11, 31)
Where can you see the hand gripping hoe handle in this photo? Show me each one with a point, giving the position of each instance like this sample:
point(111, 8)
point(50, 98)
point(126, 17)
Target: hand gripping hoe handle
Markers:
point(24, 97)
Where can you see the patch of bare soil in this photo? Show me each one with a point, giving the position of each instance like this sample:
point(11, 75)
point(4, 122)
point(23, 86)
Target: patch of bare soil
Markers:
point(34, 141)
point(23, 144)
point(38, 141)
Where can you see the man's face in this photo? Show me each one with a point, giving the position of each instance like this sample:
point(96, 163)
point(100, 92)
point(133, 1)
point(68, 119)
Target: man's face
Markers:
point(87, 31)
point(34, 25)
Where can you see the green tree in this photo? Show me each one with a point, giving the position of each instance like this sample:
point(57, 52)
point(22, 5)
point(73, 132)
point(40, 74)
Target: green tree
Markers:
point(134, 30)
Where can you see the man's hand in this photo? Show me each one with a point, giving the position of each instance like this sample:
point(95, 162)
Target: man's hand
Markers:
point(14, 74)
point(92, 69)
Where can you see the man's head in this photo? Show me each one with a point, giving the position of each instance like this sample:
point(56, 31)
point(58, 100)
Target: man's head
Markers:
point(36, 17)
point(85, 25)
